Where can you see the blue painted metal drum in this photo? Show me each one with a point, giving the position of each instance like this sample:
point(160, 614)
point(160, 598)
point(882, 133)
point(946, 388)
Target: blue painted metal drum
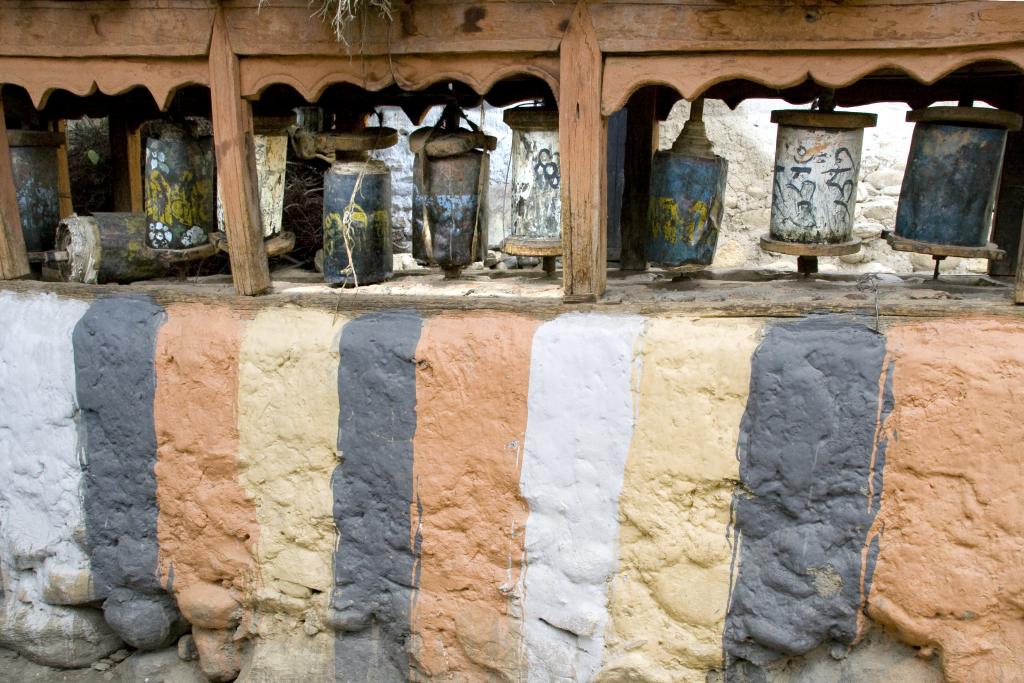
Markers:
point(685, 212)
point(363, 215)
point(952, 175)
point(687, 198)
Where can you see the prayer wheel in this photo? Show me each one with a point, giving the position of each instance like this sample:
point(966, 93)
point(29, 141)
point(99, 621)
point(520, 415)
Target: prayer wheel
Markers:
point(687, 199)
point(357, 204)
point(271, 161)
point(814, 188)
point(357, 208)
point(536, 185)
point(181, 178)
point(34, 163)
point(453, 166)
point(951, 179)
point(111, 247)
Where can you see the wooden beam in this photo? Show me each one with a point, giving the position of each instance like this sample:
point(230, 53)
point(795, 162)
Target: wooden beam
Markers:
point(583, 140)
point(13, 257)
point(63, 172)
point(641, 143)
point(236, 167)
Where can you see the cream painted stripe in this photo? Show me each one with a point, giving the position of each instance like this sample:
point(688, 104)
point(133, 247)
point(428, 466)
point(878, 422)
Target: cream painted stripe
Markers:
point(288, 431)
point(577, 437)
point(669, 597)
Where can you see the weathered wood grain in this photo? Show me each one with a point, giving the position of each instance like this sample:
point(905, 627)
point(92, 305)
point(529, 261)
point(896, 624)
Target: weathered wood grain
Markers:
point(13, 257)
point(582, 140)
point(236, 168)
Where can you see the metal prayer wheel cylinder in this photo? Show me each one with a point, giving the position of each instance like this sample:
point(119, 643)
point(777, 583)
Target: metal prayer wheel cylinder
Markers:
point(817, 162)
point(952, 175)
point(364, 214)
point(451, 210)
point(111, 247)
point(687, 199)
point(180, 186)
point(271, 161)
point(452, 173)
point(536, 185)
point(34, 163)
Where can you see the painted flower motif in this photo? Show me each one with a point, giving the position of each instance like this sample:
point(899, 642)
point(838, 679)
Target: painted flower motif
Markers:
point(161, 156)
point(152, 164)
point(193, 236)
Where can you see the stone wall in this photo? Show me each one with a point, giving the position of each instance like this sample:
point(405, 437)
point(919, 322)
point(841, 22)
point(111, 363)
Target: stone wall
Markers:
point(493, 496)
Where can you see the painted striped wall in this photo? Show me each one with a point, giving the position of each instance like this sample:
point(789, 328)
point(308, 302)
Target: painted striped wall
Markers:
point(488, 496)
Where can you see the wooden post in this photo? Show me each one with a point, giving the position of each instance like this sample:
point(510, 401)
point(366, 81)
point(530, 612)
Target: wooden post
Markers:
point(63, 172)
point(1018, 290)
point(126, 158)
point(583, 140)
point(13, 257)
point(236, 167)
point(641, 143)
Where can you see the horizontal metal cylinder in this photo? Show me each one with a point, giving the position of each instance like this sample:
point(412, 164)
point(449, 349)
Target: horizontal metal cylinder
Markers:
point(107, 247)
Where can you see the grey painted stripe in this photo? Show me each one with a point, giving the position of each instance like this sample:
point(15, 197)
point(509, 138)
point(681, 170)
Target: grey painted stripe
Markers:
point(803, 514)
point(114, 344)
point(373, 564)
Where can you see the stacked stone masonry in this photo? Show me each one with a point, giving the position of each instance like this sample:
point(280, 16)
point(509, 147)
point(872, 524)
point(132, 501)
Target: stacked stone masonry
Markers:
point(488, 496)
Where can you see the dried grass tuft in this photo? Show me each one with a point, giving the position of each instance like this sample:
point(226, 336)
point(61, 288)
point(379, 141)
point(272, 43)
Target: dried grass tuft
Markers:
point(342, 13)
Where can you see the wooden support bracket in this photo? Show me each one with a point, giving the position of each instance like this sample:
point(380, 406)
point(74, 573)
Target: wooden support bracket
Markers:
point(582, 138)
point(13, 257)
point(236, 167)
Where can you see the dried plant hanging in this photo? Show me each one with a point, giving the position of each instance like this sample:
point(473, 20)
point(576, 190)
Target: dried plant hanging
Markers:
point(341, 13)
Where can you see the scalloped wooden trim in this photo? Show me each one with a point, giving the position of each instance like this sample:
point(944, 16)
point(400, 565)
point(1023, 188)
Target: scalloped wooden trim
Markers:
point(42, 76)
point(311, 76)
point(692, 74)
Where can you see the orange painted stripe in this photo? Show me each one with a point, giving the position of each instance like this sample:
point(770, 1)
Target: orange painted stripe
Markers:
point(206, 526)
point(948, 574)
point(468, 514)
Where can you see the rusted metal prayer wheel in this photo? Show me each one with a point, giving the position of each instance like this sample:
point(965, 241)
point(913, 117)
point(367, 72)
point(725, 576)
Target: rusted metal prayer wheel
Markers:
point(453, 165)
point(687, 199)
point(950, 183)
point(111, 247)
point(536, 202)
point(814, 188)
point(34, 162)
point(357, 204)
point(181, 176)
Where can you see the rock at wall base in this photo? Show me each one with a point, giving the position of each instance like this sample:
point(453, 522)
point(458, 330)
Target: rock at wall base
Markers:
point(219, 655)
point(209, 606)
point(146, 622)
point(159, 666)
point(66, 637)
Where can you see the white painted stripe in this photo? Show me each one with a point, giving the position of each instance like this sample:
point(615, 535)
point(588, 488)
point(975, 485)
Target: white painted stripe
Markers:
point(577, 438)
point(40, 475)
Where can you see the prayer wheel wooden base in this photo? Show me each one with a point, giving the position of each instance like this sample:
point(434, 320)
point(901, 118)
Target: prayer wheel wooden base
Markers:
point(939, 252)
point(807, 254)
point(548, 250)
point(279, 244)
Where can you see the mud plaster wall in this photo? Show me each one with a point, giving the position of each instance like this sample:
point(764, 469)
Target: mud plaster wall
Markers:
point(487, 496)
